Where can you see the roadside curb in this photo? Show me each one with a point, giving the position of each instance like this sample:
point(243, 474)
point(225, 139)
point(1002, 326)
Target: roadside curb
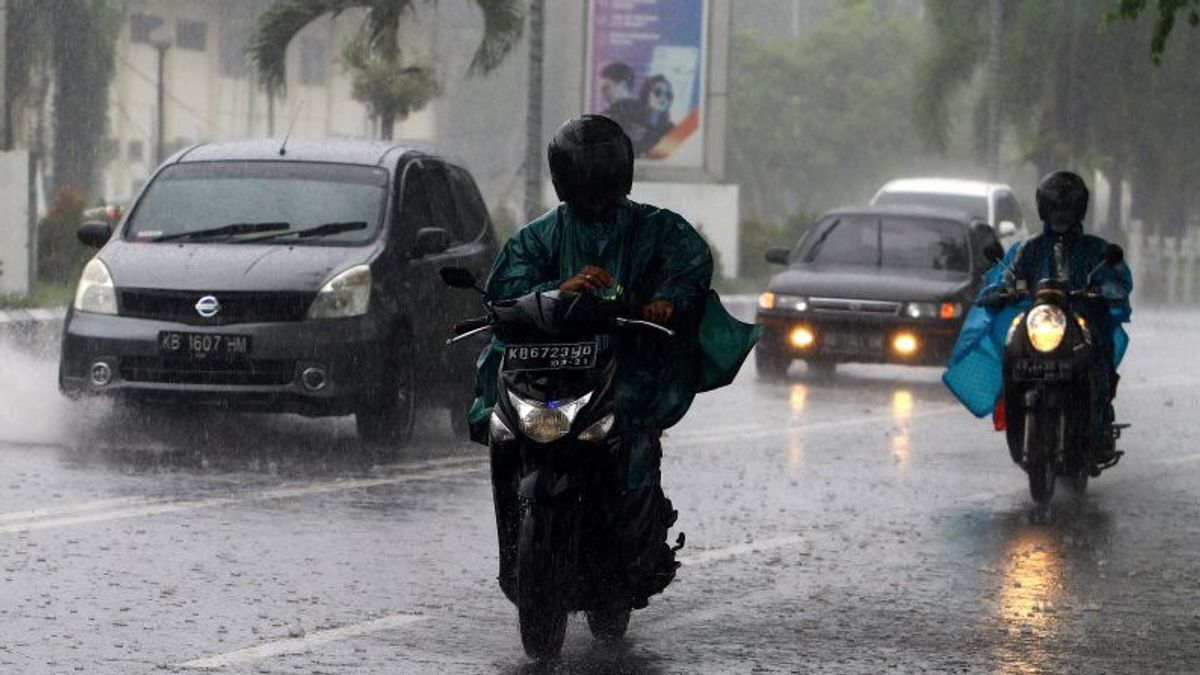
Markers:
point(35, 315)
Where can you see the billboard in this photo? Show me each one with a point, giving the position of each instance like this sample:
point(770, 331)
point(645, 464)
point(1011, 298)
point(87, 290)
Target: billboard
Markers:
point(646, 69)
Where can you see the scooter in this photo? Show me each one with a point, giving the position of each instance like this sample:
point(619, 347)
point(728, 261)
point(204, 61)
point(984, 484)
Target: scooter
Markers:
point(557, 463)
point(1047, 400)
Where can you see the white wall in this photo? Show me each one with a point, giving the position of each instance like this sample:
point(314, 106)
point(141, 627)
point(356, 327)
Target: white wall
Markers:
point(711, 208)
point(15, 244)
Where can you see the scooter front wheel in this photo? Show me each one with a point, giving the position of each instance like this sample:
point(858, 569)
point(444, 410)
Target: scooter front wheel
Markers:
point(1039, 439)
point(542, 619)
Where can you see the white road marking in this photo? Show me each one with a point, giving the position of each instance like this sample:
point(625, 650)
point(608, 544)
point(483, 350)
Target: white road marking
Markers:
point(761, 546)
point(299, 645)
point(98, 505)
point(765, 431)
point(153, 508)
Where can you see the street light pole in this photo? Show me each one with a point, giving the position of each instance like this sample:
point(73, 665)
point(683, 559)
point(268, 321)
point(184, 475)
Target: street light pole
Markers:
point(159, 141)
point(533, 112)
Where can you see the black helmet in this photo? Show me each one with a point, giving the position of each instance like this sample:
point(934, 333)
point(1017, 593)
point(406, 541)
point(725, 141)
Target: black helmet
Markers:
point(1062, 200)
point(591, 164)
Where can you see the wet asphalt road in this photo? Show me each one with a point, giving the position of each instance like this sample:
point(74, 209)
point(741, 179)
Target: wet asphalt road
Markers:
point(864, 524)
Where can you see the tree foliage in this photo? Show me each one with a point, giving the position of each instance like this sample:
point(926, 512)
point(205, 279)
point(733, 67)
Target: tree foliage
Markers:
point(1076, 92)
point(376, 51)
point(83, 37)
point(823, 120)
point(1164, 22)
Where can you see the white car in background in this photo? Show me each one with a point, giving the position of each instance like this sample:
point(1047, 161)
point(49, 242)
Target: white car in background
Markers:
point(994, 203)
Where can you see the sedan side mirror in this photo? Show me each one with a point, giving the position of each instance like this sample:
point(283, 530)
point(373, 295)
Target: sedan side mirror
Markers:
point(994, 252)
point(1113, 255)
point(431, 241)
point(94, 233)
point(777, 256)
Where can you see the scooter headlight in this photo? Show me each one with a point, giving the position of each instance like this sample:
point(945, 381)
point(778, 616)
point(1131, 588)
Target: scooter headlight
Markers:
point(1046, 325)
point(549, 421)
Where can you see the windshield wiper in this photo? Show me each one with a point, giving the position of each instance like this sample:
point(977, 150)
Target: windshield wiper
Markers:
point(324, 230)
point(225, 231)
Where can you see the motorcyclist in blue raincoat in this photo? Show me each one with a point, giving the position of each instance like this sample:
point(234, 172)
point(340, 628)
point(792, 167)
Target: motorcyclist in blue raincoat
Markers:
point(1063, 252)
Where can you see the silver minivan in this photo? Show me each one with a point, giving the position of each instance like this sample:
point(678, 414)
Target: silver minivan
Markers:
point(994, 203)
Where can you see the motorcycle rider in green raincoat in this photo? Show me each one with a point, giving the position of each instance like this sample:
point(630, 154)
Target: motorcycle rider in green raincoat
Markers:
point(598, 241)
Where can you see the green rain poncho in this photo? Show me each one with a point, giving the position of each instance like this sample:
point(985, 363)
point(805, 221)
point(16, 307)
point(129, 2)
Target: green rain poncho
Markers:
point(652, 254)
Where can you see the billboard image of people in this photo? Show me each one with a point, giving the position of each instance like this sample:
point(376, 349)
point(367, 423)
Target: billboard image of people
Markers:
point(646, 71)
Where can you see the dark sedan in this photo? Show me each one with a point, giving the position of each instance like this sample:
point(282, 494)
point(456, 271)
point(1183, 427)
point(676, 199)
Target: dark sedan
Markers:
point(874, 284)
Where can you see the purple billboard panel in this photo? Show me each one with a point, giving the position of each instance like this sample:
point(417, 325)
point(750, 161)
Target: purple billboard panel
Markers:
point(645, 64)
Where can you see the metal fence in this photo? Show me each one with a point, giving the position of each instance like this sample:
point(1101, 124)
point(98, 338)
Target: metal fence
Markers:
point(1166, 270)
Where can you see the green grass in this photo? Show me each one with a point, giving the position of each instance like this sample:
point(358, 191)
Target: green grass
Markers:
point(46, 294)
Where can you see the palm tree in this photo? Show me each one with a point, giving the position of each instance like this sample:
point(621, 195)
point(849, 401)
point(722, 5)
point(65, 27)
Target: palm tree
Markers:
point(390, 86)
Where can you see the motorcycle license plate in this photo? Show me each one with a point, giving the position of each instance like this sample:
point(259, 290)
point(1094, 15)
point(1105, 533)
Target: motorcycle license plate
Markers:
point(202, 345)
point(1054, 370)
point(573, 355)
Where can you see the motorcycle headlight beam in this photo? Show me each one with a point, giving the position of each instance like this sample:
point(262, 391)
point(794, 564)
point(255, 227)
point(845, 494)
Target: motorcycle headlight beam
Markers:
point(549, 421)
point(1046, 325)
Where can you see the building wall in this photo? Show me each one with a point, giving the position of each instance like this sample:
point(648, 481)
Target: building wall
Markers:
point(210, 93)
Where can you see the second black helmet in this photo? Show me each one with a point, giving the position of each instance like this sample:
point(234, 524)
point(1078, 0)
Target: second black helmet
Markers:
point(591, 163)
point(1062, 200)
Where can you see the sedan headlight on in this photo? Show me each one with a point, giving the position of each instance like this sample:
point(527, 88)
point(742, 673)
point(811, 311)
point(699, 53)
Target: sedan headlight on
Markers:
point(96, 292)
point(549, 421)
point(347, 294)
point(1046, 325)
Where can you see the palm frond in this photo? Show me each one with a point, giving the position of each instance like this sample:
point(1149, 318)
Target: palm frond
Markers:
point(278, 26)
point(503, 26)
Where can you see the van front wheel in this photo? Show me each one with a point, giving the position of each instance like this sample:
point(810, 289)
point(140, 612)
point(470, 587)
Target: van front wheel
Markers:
point(387, 417)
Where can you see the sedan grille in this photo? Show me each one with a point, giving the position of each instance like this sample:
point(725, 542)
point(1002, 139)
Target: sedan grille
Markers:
point(846, 306)
point(244, 372)
point(235, 307)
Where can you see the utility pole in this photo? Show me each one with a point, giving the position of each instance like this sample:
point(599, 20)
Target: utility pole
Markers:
point(160, 146)
point(6, 135)
point(995, 31)
point(533, 119)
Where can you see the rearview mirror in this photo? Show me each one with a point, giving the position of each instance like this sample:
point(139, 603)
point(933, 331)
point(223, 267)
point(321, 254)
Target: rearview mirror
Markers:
point(994, 252)
point(777, 256)
point(431, 241)
point(457, 277)
point(94, 233)
point(1006, 228)
point(1113, 255)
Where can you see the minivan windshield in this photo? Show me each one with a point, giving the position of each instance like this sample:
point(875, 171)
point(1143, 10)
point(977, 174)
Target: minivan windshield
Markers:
point(975, 206)
point(874, 241)
point(268, 202)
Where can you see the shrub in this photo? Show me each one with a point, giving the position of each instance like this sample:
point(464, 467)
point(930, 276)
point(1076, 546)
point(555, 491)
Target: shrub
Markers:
point(61, 256)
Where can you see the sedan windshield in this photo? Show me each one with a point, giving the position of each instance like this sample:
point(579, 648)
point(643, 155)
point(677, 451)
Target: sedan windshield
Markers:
point(232, 202)
point(873, 241)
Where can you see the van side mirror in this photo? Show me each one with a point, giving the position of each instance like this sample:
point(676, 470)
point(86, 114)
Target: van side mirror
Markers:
point(777, 256)
point(457, 277)
point(431, 241)
point(94, 233)
point(994, 252)
point(1113, 255)
point(1006, 228)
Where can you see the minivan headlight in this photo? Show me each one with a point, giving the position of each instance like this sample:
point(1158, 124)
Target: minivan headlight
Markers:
point(1046, 325)
point(347, 294)
point(546, 422)
point(96, 292)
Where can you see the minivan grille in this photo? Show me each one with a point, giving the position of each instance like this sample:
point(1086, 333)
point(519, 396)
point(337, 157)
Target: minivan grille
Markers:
point(872, 307)
point(235, 306)
point(176, 370)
